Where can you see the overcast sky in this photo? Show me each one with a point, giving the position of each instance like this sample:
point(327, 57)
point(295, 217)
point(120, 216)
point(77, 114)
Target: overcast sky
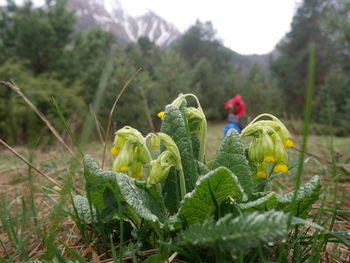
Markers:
point(245, 26)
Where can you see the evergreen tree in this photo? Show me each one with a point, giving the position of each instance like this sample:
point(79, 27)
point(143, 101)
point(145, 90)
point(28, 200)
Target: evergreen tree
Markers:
point(39, 35)
point(290, 67)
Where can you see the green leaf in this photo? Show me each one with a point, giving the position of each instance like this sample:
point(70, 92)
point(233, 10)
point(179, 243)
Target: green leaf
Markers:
point(97, 183)
point(307, 196)
point(175, 125)
point(144, 199)
point(171, 191)
point(202, 168)
point(231, 155)
point(195, 145)
point(264, 203)
point(199, 204)
point(233, 234)
point(82, 206)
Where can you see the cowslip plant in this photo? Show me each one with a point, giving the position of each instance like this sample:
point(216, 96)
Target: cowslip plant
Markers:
point(161, 183)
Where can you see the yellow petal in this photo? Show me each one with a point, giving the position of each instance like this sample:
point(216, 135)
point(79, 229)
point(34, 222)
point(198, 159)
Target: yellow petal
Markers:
point(261, 174)
point(284, 168)
point(114, 151)
point(161, 115)
point(137, 175)
point(269, 159)
point(288, 143)
point(280, 168)
point(123, 169)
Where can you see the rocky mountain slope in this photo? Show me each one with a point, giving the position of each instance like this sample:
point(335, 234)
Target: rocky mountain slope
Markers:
point(110, 15)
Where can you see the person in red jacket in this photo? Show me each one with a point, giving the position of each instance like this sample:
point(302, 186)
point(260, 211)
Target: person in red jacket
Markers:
point(236, 109)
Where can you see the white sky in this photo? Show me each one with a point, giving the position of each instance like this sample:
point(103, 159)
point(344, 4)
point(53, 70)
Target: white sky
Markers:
point(245, 26)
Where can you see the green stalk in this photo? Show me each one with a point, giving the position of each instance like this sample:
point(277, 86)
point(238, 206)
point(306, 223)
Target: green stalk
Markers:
point(307, 119)
point(203, 140)
point(134, 217)
point(182, 184)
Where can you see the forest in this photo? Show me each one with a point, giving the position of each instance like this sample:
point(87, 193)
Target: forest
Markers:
point(44, 55)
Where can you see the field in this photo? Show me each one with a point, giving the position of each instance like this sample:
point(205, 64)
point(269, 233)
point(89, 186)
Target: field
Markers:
point(37, 218)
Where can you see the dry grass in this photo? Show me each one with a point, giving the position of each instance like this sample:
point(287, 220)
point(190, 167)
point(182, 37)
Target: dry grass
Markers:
point(57, 227)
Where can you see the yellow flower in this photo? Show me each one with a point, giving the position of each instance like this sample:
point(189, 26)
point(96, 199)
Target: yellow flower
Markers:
point(269, 159)
point(155, 142)
point(161, 115)
point(114, 151)
point(123, 169)
point(280, 168)
point(261, 174)
point(288, 143)
point(138, 175)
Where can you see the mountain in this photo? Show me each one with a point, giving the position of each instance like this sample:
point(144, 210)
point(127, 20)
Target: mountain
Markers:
point(110, 16)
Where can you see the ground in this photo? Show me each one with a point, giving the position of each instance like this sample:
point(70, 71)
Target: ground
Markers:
point(18, 182)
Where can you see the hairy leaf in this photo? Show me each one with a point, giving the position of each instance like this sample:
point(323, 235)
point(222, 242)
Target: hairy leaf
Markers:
point(195, 145)
point(202, 168)
point(211, 189)
point(97, 183)
point(175, 125)
point(232, 156)
point(232, 234)
point(306, 197)
point(171, 191)
point(264, 203)
point(143, 199)
point(84, 212)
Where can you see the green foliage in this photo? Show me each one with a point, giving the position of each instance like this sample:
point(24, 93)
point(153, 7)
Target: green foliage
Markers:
point(143, 199)
point(331, 102)
point(259, 89)
point(18, 123)
point(231, 234)
point(264, 203)
point(38, 36)
point(213, 213)
point(211, 189)
point(85, 212)
point(307, 195)
point(325, 24)
point(99, 182)
point(231, 154)
point(175, 125)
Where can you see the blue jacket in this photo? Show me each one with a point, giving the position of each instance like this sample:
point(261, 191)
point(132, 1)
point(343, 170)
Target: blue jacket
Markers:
point(232, 125)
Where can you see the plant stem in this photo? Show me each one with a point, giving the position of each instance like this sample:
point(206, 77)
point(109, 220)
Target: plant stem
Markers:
point(182, 184)
point(203, 141)
point(307, 119)
point(135, 218)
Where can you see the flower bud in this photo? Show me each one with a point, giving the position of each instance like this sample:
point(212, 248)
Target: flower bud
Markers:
point(136, 170)
point(195, 118)
point(170, 145)
point(155, 142)
point(161, 167)
point(280, 152)
point(261, 172)
point(121, 163)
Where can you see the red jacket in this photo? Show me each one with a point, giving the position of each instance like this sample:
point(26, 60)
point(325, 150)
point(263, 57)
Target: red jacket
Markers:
point(236, 106)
